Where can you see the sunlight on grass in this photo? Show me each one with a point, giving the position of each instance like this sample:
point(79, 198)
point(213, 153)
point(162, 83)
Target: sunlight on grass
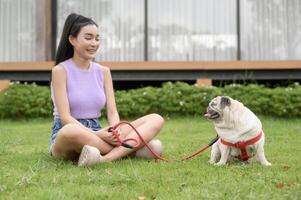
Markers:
point(28, 172)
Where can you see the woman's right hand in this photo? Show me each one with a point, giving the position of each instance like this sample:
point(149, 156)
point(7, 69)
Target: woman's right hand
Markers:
point(108, 137)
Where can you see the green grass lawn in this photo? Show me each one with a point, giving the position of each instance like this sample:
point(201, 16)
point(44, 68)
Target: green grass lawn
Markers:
point(28, 172)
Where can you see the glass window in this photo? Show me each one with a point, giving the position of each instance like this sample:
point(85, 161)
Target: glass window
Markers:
point(270, 29)
point(190, 30)
point(121, 25)
point(18, 30)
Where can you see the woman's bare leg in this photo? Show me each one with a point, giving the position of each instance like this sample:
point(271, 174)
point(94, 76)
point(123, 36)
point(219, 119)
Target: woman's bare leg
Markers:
point(155, 145)
point(70, 140)
point(148, 126)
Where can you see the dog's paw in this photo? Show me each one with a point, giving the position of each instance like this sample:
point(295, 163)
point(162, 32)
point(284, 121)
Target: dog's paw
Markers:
point(212, 162)
point(267, 164)
point(219, 163)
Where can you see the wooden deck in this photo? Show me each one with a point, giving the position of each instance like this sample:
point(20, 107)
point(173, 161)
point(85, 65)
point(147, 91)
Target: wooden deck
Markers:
point(164, 71)
point(144, 66)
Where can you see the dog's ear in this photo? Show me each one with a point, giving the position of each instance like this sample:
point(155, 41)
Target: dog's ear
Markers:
point(225, 101)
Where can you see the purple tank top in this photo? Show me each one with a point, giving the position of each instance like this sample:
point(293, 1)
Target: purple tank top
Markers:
point(85, 90)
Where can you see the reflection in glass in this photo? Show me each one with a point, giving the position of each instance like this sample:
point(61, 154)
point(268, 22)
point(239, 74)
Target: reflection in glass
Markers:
point(18, 30)
point(270, 29)
point(121, 25)
point(188, 30)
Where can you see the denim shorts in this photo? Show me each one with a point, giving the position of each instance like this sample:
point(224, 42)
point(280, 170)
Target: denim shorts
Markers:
point(92, 124)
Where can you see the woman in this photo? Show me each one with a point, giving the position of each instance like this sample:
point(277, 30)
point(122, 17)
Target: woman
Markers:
point(80, 88)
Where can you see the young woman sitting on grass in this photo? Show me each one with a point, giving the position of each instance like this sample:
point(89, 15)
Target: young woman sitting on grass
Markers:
point(80, 89)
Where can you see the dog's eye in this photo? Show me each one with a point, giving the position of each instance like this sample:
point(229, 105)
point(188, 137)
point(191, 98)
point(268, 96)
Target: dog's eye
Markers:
point(213, 104)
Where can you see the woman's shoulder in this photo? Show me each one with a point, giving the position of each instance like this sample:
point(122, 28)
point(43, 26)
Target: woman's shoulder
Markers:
point(58, 67)
point(104, 69)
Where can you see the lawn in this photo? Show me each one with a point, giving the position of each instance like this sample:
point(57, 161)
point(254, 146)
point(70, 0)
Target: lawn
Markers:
point(28, 172)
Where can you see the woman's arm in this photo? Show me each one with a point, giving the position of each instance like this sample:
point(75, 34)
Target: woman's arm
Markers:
point(59, 86)
point(112, 114)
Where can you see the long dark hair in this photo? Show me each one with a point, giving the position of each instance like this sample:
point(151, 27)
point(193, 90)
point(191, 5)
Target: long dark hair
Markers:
point(72, 26)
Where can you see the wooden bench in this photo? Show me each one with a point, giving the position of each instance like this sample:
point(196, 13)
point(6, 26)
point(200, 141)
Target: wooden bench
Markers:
point(200, 71)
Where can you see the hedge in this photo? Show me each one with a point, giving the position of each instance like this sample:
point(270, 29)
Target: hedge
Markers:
point(32, 101)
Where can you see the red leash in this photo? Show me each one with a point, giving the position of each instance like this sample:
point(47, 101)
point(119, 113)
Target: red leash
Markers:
point(214, 140)
point(137, 142)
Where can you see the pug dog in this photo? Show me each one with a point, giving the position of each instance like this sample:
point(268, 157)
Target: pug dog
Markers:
point(239, 130)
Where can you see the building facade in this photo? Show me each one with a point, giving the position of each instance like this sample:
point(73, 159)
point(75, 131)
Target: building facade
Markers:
point(157, 30)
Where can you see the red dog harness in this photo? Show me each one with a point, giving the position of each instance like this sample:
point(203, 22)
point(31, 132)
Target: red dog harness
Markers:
point(242, 146)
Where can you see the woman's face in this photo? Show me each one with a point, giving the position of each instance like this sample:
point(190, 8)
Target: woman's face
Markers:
point(87, 42)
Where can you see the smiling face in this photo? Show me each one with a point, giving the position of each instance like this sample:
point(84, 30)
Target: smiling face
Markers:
point(216, 107)
point(86, 43)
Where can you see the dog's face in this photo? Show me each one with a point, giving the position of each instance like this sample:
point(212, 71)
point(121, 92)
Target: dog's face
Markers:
point(217, 107)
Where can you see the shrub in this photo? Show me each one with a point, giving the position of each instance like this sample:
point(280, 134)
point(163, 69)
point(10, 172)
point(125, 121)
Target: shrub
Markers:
point(171, 98)
point(134, 102)
point(22, 100)
point(280, 101)
point(181, 98)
